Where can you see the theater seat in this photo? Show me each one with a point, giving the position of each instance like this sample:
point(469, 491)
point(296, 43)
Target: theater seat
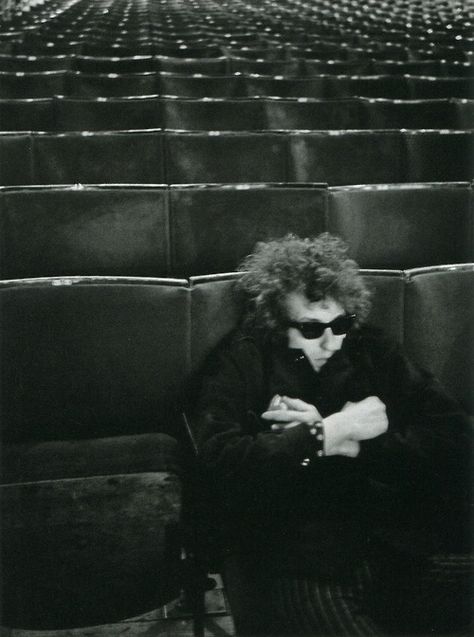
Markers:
point(197, 85)
point(91, 493)
point(383, 113)
point(16, 165)
point(340, 157)
point(214, 114)
point(24, 85)
point(111, 84)
point(209, 66)
point(107, 114)
point(134, 157)
point(225, 157)
point(314, 114)
point(404, 225)
point(214, 227)
point(439, 325)
point(439, 155)
point(84, 231)
point(26, 114)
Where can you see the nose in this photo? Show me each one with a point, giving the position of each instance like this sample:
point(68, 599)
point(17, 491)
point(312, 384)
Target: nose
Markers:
point(329, 341)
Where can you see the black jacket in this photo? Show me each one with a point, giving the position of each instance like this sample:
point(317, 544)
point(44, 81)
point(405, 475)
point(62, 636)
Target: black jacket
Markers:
point(407, 487)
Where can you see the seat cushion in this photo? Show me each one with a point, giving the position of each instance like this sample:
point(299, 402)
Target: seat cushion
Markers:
point(59, 459)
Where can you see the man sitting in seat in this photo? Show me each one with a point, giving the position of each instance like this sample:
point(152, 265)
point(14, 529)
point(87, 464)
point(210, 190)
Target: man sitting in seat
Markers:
point(338, 471)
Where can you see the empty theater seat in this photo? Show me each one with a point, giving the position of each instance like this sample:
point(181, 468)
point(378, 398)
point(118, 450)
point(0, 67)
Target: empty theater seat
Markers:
point(314, 114)
point(214, 114)
point(464, 110)
point(88, 231)
point(111, 84)
point(225, 157)
point(202, 86)
point(27, 114)
point(134, 64)
point(439, 155)
point(439, 325)
point(134, 157)
point(209, 66)
point(214, 227)
point(405, 225)
point(24, 85)
point(91, 496)
point(16, 165)
point(383, 113)
point(341, 157)
point(264, 67)
point(107, 114)
point(34, 63)
point(436, 87)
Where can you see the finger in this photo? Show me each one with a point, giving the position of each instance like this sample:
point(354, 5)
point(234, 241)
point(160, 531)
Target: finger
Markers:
point(275, 402)
point(300, 405)
point(295, 403)
point(283, 427)
point(284, 415)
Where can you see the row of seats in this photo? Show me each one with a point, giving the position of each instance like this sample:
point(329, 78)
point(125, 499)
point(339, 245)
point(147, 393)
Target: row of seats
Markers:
point(67, 114)
point(157, 157)
point(92, 377)
point(234, 61)
point(189, 230)
point(117, 47)
point(115, 352)
point(145, 25)
point(18, 85)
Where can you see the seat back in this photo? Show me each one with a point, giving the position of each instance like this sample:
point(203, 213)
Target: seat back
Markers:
point(111, 84)
point(16, 165)
point(340, 157)
point(404, 225)
point(53, 231)
point(107, 114)
point(24, 85)
point(439, 155)
point(91, 357)
point(439, 322)
point(197, 85)
point(411, 114)
point(214, 114)
point(214, 227)
point(225, 157)
point(314, 114)
point(27, 114)
point(133, 157)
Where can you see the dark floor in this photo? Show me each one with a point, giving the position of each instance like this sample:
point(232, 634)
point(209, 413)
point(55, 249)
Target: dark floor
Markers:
point(169, 621)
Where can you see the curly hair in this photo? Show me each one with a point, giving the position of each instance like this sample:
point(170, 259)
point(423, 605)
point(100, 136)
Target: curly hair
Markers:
point(317, 267)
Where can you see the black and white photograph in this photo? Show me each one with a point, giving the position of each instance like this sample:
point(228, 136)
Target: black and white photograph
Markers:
point(236, 318)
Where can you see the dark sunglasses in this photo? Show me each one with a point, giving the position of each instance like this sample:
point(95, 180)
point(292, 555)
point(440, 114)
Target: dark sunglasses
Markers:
point(315, 329)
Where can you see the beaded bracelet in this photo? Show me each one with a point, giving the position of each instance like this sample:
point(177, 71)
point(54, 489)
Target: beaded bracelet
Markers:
point(316, 430)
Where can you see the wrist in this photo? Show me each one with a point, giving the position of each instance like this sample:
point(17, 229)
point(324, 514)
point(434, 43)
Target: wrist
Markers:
point(337, 430)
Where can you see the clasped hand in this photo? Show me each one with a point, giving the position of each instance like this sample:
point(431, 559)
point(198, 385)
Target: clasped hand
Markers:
point(343, 430)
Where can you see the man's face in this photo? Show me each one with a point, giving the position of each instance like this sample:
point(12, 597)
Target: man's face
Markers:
point(300, 309)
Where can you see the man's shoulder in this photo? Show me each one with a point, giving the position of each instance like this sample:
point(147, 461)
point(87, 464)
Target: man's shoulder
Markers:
point(238, 345)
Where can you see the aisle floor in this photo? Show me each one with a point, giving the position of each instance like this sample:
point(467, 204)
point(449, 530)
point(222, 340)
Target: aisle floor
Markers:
point(169, 621)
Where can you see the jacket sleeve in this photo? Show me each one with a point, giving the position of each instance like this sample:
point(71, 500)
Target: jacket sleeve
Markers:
point(234, 446)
